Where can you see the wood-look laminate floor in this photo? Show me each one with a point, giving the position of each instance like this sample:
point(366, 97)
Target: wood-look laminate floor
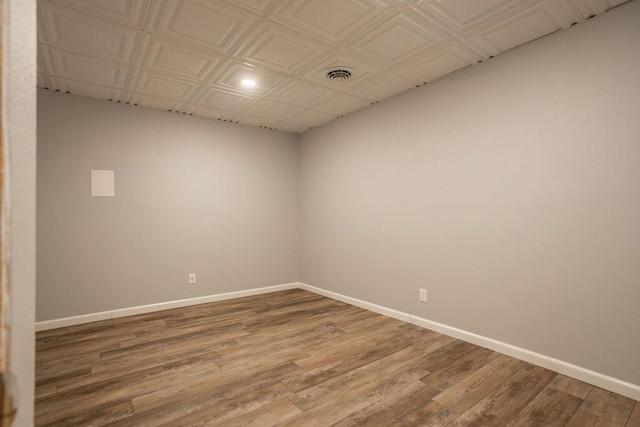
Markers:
point(294, 358)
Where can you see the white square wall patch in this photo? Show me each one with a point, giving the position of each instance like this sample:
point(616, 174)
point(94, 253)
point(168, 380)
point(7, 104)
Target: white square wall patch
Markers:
point(102, 183)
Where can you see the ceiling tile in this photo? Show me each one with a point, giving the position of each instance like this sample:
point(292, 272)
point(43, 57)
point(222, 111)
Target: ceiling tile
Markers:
point(329, 20)
point(211, 24)
point(589, 8)
point(381, 86)
point(160, 85)
point(427, 66)
point(462, 15)
point(394, 37)
point(219, 99)
point(260, 7)
point(311, 118)
point(177, 58)
point(235, 72)
point(530, 26)
point(274, 110)
point(280, 49)
point(291, 127)
point(210, 113)
point(82, 33)
point(251, 120)
point(341, 105)
point(129, 12)
point(86, 69)
point(155, 102)
point(85, 89)
point(466, 11)
point(302, 93)
point(501, 35)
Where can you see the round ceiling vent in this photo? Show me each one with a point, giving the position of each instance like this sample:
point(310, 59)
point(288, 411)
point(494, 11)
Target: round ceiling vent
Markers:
point(339, 74)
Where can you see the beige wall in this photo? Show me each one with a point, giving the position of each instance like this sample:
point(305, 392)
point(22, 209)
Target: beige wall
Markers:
point(19, 109)
point(192, 196)
point(509, 190)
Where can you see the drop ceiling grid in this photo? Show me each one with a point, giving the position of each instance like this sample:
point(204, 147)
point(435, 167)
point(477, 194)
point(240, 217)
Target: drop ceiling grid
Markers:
point(190, 56)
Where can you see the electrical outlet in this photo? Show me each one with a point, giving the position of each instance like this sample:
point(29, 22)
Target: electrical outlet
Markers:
point(423, 295)
point(192, 278)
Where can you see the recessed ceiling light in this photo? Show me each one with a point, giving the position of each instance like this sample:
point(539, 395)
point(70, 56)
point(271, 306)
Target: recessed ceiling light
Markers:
point(248, 83)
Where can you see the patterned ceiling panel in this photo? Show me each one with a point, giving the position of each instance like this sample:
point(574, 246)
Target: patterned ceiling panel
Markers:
point(195, 57)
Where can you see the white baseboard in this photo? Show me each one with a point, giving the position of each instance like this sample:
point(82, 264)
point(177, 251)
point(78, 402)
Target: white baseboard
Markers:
point(595, 378)
point(606, 382)
point(130, 311)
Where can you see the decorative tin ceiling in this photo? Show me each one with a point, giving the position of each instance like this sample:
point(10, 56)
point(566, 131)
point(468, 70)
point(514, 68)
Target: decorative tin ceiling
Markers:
point(190, 56)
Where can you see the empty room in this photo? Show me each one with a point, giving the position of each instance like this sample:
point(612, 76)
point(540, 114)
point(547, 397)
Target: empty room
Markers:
point(320, 212)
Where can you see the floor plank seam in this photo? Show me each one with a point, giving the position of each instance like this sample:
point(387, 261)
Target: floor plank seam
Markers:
point(294, 358)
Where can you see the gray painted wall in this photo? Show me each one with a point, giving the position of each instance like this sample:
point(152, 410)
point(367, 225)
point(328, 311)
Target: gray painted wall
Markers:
point(510, 190)
point(192, 196)
point(19, 109)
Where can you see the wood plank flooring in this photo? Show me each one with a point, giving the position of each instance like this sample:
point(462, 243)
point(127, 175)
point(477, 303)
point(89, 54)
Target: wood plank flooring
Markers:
point(294, 358)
